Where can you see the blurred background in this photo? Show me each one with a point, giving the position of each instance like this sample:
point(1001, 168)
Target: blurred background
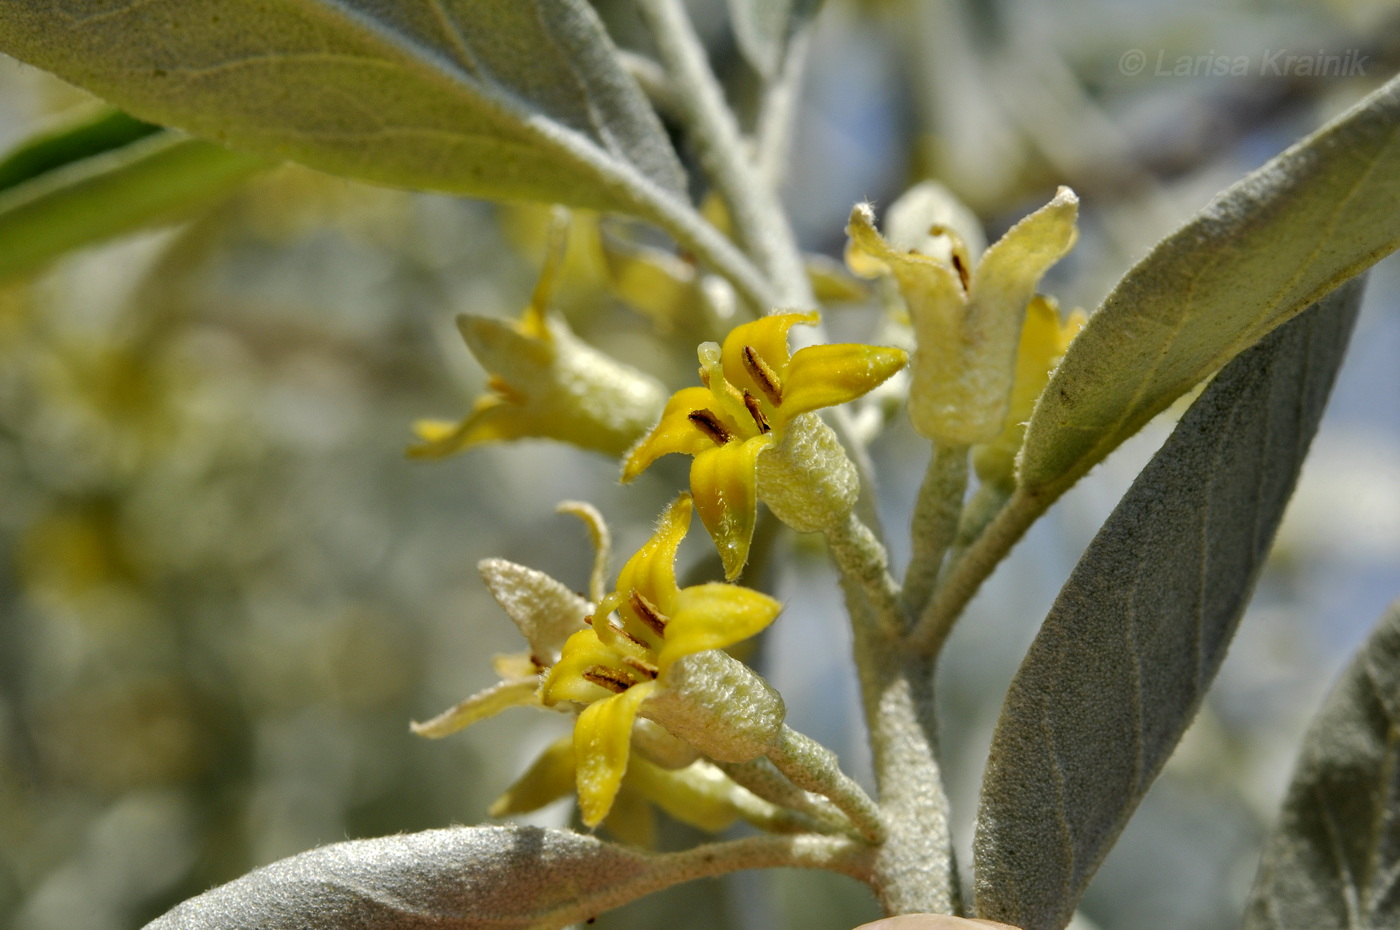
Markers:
point(224, 592)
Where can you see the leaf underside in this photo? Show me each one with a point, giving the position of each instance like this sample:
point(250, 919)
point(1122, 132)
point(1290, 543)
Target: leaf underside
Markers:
point(1138, 632)
point(1334, 861)
point(493, 98)
point(464, 878)
point(1261, 251)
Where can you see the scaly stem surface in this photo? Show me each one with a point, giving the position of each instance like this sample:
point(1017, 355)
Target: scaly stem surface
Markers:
point(759, 222)
point(708, 244)
point(777, 114)
point(914, 870)
point(863, 561)
point(935, 522)
point(802, 851)
point(813, 767)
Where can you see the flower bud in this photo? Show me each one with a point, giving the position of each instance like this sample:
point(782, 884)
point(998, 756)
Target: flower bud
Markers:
point(806, 478)
point(719, 706)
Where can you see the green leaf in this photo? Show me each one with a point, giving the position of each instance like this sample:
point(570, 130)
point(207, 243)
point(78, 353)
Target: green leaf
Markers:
point(763, 28)
point(1120, 665)
point(492, 98)
point(155, 179)
point(1334, 861)
point(1264, 249)
point(465, 877)
point(90, 135)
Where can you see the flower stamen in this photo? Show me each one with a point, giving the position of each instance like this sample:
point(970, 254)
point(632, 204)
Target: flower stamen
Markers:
point(609, 678)
point(709, 424)
point(755, 411)
point(622, 631)
point(765, 377)
point(647, 612)
point(964, 278)
point(646, 668)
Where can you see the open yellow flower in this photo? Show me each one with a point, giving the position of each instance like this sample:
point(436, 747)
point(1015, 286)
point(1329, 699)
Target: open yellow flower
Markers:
point(545, 382)
point(637, 636)
point(754, 392)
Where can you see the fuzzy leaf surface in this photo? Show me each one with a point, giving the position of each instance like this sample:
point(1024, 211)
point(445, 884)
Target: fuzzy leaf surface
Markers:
point(1334, 861)
point(464, 878)
point(1136, 636)
point(519, 99)
point(1260, 252)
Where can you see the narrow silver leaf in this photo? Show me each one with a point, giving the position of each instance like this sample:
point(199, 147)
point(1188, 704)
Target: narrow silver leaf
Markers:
point(1334, 862)
point(1138, 632)
point(462, 878)
point(1263, 250)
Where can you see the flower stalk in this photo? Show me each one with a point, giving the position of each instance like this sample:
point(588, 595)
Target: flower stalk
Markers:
point(935, 523)
point(812, 767)
point(758, 217)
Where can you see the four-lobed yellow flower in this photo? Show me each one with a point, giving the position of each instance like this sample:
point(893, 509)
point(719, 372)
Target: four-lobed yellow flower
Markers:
point(627, 656)
point(755, 392)
point(967, 314)
point(545, 382)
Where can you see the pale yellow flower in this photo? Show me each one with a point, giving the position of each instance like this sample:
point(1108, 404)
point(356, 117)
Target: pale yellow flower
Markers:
point(545, 382)
point(967, 315)
point(1044, 340)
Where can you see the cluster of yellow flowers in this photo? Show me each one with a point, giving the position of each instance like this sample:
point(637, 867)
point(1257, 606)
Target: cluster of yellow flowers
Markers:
point(657, 702)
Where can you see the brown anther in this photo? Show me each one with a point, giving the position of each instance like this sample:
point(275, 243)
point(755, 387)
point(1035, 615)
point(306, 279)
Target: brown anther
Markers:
point(535, 661)
point(961, 269)
point(647, 612)
point(612, 679)
point(646, 668)
point(765, 377)
point(708, 423)
point(705, 376)
point(620, 631)
point(588, 619)
point(756, 412)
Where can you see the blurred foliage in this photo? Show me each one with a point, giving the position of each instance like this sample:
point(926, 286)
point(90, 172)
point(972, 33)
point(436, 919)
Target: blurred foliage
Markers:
point(224, 592)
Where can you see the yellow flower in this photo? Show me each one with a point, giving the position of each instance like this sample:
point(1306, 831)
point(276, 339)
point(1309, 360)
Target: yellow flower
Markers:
point(545, 382)
point(1044, 340)
point(665, 770)
point(622, 661)
point(698, 794)
point(967, 320)
point(754, 393)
